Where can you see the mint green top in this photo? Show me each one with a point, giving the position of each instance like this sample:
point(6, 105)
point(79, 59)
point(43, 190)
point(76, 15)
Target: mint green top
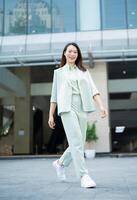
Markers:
point(73, 79)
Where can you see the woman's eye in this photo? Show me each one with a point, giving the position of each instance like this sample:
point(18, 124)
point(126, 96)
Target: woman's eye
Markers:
point(70, 51)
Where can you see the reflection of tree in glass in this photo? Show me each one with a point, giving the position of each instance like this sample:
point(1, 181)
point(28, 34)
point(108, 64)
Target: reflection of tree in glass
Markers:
point(57, 19)
point(17, 17)
point(1, 11)
point(19, 26)
point(1, 19)
point(39, 16)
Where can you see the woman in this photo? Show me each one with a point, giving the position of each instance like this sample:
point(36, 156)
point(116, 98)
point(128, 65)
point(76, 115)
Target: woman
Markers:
point(73, 92)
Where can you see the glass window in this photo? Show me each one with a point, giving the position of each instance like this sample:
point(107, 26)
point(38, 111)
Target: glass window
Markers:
point(132, 13)
point(39, 16)
point(15, 17)
point(88, 15)
point(63, 16)
point(122, 70)
point(113, 14)
point(1, 17)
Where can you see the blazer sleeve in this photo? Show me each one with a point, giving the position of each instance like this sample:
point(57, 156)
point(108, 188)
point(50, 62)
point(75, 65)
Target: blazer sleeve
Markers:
point(93, 86)
point(54, 88)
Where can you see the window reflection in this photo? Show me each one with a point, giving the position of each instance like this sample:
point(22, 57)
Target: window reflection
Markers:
point(132, 13)
point(113, 14)
point(63, 16)
point(47, 16)
point(1, 16)
point(15, 17)
point(6, 119)
point(88, 15)
point(39, 16)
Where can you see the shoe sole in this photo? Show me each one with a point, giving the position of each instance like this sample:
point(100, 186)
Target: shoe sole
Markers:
point(88, 187)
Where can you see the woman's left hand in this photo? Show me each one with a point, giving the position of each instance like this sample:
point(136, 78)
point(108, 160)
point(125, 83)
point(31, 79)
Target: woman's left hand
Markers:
point(98, 100)
point(104, 112)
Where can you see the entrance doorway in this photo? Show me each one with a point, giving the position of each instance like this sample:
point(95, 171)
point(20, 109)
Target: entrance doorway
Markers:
point(45, 140)
point(37, 131)
point(57, 141)
point(123, 107)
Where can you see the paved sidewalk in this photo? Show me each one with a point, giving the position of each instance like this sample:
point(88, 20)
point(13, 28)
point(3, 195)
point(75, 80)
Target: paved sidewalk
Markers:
point(35, 179)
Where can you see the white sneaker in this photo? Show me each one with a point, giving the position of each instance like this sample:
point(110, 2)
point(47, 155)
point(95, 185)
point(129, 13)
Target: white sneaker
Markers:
point(87, 182)
point(59, 170)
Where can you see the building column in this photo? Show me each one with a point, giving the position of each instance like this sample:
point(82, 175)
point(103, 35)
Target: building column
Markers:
point(23, 116)
point(99, 75)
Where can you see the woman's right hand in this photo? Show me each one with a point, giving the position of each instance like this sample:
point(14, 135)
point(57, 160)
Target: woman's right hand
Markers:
point(51, 122)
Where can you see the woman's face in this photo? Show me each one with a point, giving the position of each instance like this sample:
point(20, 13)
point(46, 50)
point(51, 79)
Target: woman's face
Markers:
point(71, 54)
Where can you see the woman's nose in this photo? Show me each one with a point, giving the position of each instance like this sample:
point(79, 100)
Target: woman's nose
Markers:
point(72, 53)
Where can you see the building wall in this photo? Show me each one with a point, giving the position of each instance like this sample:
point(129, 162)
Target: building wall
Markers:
point(99, 75)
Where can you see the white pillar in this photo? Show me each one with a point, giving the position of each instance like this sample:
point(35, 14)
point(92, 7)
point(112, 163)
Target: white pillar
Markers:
point(99, 75)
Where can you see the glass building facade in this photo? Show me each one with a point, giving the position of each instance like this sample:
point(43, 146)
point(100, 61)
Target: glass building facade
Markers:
point(132, 13)
point(15, 17)
point(114, 14)
point(45, 16)
point(39, 16)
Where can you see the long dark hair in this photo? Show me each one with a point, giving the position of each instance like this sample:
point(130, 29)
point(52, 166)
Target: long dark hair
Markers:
point(78, 62)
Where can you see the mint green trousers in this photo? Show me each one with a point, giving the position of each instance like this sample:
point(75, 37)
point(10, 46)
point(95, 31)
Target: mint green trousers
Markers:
point(75, 125)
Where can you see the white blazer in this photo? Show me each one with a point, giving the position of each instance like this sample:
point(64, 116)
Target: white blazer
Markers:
point(62, 91)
